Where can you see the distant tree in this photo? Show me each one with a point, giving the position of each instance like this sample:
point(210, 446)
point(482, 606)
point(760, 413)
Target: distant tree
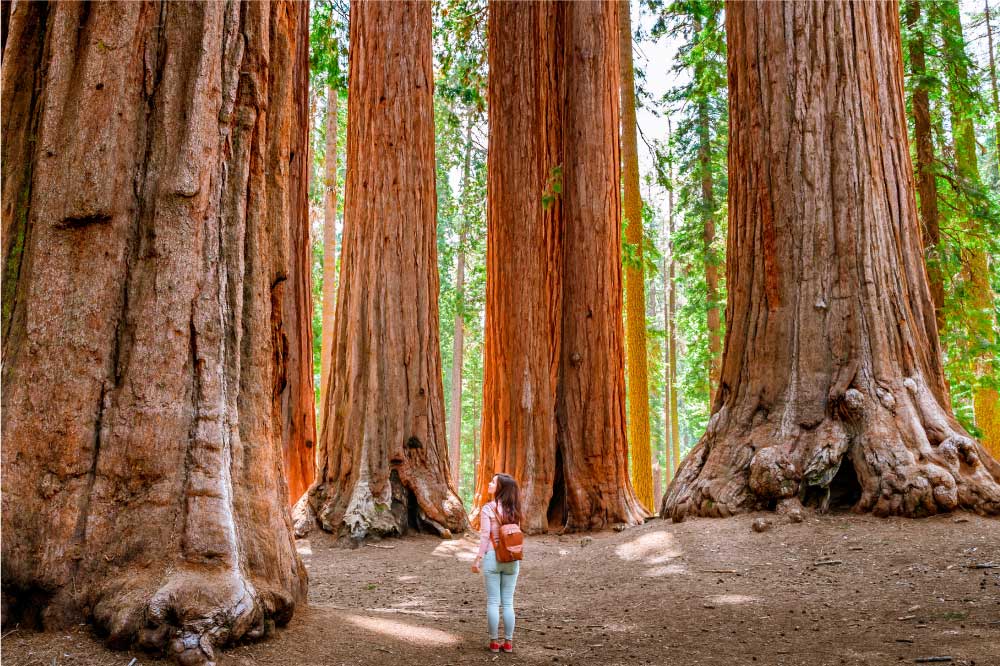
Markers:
point(382, 463)
point(635, 296)
point(554, 396)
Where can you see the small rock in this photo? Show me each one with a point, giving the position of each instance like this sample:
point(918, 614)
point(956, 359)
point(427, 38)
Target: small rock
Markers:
point(620, 527)
point(760, 525)
point(961, 519)
point(586, 541)
point(792, 509)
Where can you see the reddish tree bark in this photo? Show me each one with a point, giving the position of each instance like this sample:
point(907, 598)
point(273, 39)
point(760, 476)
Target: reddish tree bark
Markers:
point(590, 409)
point(523, 257)
point(382, 464)
point(832, 388)
point(554, 341)
point(150, 306)
point(294, 335)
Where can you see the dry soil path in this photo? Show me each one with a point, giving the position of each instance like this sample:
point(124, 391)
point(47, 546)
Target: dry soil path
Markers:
point(839, 589)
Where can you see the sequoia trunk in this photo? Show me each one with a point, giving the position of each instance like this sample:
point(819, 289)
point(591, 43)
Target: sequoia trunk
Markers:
point(635, 288)
point(554, 312)
point(153, 227)
point(382, 464)
point(293, 337)
point(523, 256)
point(590, 409)
point(832, 387)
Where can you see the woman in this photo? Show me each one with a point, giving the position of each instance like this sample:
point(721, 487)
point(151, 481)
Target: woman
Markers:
point(501, 577)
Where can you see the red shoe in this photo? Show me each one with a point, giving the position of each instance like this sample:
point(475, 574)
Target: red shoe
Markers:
point(494, 646)
point(508, 646)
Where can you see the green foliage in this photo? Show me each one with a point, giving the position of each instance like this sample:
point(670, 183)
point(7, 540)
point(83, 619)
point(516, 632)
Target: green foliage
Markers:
point(460, 121)
point(968, 204)
point(697, 151)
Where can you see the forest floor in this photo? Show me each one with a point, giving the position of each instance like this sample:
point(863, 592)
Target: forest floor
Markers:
point(835, 589)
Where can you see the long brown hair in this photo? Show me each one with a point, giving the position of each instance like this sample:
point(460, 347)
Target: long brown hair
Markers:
point(508, 497)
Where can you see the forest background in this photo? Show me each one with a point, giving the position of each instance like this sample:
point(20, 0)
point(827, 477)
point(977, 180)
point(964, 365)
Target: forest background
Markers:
point(679, 51)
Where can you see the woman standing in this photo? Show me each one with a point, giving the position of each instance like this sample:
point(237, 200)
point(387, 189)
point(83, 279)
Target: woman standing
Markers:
point(501, 577)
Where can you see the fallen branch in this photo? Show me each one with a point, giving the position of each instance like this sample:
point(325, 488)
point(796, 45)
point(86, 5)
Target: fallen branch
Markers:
point(932, 660)
point(824, 562)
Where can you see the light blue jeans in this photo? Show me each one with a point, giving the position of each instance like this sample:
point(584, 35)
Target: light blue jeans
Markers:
point(501, 578)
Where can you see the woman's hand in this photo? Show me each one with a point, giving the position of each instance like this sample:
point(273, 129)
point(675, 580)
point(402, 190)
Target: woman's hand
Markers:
point(475, 565)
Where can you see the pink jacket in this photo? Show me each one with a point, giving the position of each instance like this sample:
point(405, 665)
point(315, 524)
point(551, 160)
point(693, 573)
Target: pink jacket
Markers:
point(489, 525)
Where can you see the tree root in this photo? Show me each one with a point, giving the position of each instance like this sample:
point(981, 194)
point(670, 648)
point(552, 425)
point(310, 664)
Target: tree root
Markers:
point(191, 614)
point(910, 458)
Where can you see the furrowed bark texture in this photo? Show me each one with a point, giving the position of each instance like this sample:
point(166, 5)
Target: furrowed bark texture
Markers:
point(832, 387)
point(635, 288)
point(289, 185)
point(523, 257)
point(382, 465)
point(150, 229)
point(590, 411)
point(554, 362)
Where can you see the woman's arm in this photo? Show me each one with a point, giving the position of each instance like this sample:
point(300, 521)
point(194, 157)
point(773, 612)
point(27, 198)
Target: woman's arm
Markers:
point(485, 527)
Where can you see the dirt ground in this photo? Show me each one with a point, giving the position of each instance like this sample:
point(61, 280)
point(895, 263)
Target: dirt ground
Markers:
point(837, 589)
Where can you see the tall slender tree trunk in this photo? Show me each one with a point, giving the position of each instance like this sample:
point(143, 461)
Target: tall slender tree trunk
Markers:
point(329, 243)
point(674, 423)
point(926, 177)
point(832, 388)
point(635, 288)
point(382, 464)
point(153, 227)
point(553, 397)
point(455, 425)
point(294, 337)
point(993, 89)
point(668, 389)
point(981, 321)
point(708, 208)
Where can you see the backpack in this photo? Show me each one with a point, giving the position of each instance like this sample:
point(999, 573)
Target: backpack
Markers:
point(511, 544)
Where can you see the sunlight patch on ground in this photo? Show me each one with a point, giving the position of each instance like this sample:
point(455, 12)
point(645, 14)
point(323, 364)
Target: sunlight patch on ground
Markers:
point(651, 548)
point(732, 599)
point(669, 570)
point(403, 631)
point(304, 547)
point(407, 579)
point(407, 611)
point(459, 549)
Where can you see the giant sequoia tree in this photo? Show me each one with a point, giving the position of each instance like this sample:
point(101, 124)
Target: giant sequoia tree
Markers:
point(382, 463)
point(152, 324)
point(831, 383)
point(554, 402)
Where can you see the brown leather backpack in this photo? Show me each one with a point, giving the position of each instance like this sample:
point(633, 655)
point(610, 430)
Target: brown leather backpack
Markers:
point(511, 543)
